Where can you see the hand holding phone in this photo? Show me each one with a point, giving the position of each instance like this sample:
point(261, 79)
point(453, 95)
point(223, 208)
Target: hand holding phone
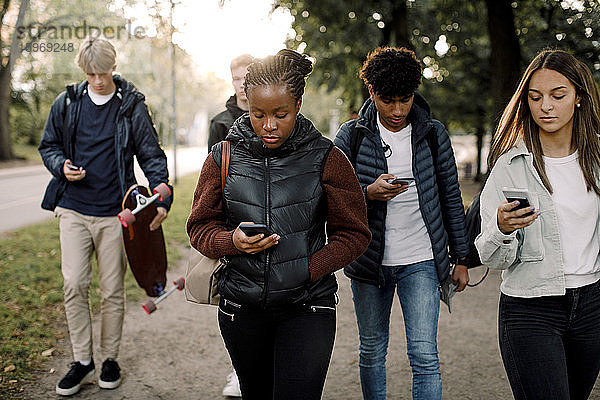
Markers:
point(400, 181)
point(72, 172)
point(507, 221)
point(254, 229)
point(520, 195)
point(246, 241)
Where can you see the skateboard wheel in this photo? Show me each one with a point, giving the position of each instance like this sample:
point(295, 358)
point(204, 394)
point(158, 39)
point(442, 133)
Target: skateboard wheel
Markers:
point(126, 217)
point(157, 289)
point(163, 190)
point(180, 283)
point(149, 307)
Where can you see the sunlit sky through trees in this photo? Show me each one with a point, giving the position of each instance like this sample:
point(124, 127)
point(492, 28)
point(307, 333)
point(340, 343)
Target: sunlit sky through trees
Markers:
point(214, 34)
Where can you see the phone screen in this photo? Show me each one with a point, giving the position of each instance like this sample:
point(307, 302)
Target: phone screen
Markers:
point(523, 203)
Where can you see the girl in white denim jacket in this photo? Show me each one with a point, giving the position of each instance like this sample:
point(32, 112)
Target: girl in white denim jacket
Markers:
point(549, 313)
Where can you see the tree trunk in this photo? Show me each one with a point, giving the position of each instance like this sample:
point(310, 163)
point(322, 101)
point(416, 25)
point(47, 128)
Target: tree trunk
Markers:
point(480, 134)
point(6, 152)
point(5, 143)
point(400, 25)
point(395, 32)
point(505, 55)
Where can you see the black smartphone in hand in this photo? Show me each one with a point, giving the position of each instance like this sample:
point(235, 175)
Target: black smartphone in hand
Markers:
point(255, 229)
point(522, 195)
point(400, 181)
point(73, 167)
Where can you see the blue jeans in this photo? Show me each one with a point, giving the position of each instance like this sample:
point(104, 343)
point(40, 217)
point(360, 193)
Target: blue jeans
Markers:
point(417, 287)
point(551, 345)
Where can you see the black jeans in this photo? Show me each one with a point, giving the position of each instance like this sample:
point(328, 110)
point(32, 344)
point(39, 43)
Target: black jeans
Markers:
point(280, 354)
point(551, 345)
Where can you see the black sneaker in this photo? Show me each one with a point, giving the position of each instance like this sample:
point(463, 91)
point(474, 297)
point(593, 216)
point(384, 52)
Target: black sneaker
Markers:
point(78, 375)
point(110, 378)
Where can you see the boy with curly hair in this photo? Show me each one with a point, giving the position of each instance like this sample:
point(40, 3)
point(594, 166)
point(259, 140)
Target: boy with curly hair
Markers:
point(405, 165)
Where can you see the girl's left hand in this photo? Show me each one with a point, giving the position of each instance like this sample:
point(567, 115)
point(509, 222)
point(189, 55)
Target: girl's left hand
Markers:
point(253, 244)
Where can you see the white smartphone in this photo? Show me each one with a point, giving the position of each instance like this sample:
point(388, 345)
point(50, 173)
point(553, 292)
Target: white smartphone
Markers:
point(522, 195)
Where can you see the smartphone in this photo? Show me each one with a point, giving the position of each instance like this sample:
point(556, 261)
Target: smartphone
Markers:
point(255, 229)
point(73, 167)
point(522, 195)
point(400, 181)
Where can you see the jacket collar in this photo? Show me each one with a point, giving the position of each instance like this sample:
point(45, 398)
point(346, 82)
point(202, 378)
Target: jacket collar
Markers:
point(519, 149)
point(233, 108)
point(419, 117)
point(128, 94)
point(242, 133)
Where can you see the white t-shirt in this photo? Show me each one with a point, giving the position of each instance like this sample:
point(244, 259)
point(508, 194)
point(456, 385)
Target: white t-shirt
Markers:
point(577, 211)
point(99, 99)
point(406, 237)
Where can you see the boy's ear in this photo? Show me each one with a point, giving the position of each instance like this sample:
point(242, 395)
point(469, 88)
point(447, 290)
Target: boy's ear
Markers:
point(298, 105)
point(371, 92)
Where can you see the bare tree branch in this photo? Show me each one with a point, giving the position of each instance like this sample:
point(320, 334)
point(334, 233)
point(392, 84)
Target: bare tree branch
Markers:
point(5, 4)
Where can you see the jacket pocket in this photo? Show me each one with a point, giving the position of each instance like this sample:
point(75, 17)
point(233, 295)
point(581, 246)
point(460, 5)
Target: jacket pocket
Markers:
point(54, 192)
point(229, 309)
point(532, 247)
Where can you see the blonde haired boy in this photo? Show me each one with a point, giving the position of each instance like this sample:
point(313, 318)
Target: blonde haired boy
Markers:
point(92, 133)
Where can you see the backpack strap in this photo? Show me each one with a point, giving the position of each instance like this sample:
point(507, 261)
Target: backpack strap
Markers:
point(225, 155)
point(356, 138)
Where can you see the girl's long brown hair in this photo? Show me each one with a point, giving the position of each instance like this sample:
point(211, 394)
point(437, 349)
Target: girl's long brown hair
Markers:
point(517, 123)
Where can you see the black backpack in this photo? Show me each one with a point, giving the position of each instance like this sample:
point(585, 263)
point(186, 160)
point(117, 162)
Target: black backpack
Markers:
point(473, 228)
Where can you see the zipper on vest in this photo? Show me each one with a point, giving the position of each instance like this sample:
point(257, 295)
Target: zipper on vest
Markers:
point(268, 223)
point(317, 308)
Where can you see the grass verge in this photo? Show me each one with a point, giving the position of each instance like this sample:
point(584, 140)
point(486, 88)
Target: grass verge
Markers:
point(27, 152)
point(31, 310)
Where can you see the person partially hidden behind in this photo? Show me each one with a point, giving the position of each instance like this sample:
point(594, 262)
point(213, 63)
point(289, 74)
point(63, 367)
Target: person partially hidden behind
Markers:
point(92, 133)
point(277, 312)
point(235, 106)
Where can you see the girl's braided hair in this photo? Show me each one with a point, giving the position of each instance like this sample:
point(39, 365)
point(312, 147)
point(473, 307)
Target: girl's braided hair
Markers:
point(286, 67)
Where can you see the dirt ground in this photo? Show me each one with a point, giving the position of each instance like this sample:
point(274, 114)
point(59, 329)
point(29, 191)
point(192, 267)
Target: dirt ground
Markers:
point(177, 352)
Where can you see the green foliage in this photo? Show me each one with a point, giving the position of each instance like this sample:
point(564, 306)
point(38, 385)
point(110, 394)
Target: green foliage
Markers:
point(175, 224)
point(321, 106)
point(340, 34)
point(145, 61)
point(27, 152)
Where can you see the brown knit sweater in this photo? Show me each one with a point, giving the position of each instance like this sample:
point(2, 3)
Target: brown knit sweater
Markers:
point(348, 232)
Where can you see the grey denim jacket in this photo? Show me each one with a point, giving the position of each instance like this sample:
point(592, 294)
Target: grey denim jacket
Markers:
point(531, 258)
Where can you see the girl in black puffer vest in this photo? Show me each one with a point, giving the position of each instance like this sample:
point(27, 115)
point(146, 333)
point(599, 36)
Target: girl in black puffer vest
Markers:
point(277, 309)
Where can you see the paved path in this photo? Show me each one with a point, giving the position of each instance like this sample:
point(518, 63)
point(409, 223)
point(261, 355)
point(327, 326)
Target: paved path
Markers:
point(177, 352)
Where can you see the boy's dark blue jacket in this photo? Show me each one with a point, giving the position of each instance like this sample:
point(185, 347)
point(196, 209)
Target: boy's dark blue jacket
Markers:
point(135, 136)
point(436, 181)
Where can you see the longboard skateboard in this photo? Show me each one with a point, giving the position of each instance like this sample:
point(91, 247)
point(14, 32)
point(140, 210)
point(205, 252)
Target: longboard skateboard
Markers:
point(145, 249)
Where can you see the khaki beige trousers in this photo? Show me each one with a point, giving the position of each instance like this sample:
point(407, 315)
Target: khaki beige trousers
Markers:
point(81, 236)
